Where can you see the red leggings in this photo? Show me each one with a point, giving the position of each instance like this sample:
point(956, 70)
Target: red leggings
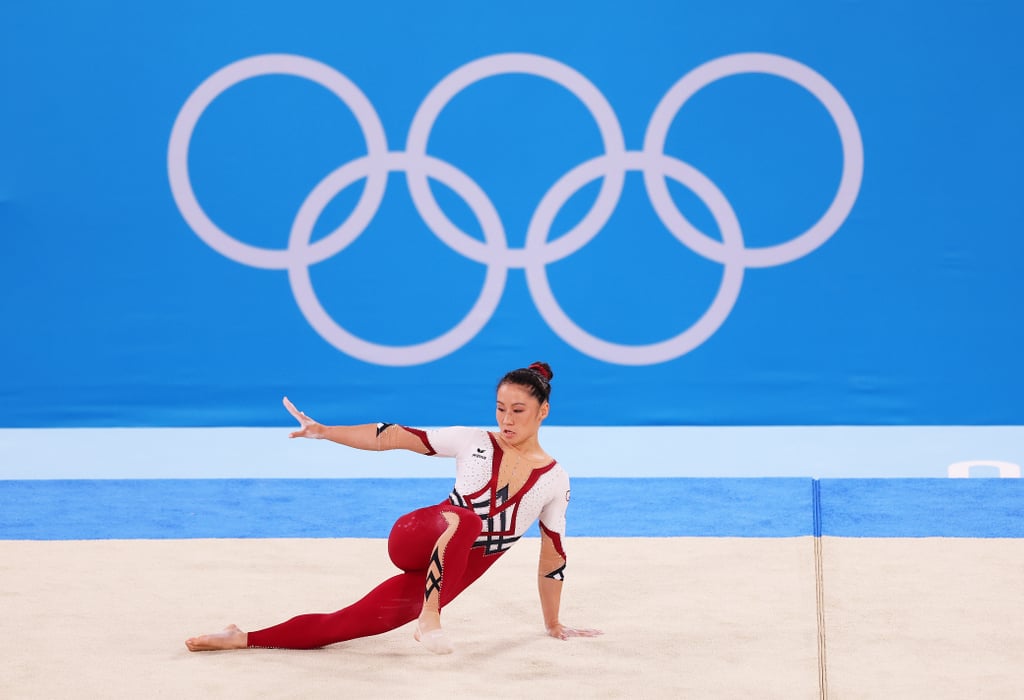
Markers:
point(399, 599)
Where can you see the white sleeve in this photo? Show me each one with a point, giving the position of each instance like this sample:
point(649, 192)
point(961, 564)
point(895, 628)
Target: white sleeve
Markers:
point(450, 442)
point(552, 515)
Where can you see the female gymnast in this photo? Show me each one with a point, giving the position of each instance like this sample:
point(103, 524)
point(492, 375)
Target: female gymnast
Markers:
point(504, 481)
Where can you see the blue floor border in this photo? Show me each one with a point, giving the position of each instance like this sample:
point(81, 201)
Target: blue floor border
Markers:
point(600, 507)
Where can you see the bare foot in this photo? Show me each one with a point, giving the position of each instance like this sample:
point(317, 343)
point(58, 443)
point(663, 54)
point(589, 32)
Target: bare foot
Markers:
point(428, 632)
point(230, 638)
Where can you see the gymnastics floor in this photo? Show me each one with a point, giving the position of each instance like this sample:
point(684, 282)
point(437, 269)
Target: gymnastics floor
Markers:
point(705, 588)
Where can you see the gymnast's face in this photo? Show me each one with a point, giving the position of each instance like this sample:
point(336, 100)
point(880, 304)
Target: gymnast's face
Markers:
point(519, 413)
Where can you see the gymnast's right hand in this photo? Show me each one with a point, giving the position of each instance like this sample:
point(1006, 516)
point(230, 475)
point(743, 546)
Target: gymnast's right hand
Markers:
point(309, 428)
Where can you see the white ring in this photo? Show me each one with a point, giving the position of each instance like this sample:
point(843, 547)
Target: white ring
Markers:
point(329, 329)
point(488, 67)
point(229, 76)
point(849, 135)
point(687, 340)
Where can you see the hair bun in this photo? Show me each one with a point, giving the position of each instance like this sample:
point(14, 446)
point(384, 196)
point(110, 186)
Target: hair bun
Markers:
point(543, 369)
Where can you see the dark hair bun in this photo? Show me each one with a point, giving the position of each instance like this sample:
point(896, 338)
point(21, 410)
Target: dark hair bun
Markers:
point(536, 378)
point(543, 369)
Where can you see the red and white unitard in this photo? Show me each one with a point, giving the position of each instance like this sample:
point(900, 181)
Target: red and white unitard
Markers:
point(490, 521)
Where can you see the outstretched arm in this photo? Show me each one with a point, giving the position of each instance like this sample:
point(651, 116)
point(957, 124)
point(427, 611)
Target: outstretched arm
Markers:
point(369, 436)
point(549, 585)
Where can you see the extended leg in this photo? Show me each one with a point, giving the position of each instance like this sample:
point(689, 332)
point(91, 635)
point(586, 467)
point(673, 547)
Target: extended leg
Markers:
point(445, 531)
point(442, 534)
point(392, 604)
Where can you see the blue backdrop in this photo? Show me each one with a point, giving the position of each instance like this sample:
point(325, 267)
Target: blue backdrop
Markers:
point(698, 213)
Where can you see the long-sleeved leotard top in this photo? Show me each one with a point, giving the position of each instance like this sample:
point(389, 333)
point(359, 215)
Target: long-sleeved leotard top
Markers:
point(545, 495)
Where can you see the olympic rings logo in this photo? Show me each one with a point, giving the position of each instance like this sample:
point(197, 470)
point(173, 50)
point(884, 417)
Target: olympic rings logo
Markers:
point(419, 167)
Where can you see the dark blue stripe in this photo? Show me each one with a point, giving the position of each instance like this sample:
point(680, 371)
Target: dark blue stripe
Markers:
point(669, 507)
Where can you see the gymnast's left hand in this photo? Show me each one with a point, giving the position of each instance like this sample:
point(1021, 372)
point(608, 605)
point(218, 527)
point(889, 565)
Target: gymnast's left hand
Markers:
point(564, 632)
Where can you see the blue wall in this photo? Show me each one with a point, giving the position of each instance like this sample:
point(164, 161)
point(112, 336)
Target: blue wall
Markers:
point(772, 281)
